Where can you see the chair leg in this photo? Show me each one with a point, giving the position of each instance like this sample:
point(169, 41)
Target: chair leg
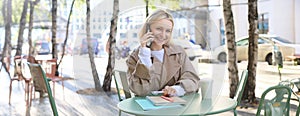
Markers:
point(235, 113)
point(28, 90)
point(10, 89)
point(120, 112)
point(298, 109)
point(53, 89)
point(31, 90)
point(63, 88)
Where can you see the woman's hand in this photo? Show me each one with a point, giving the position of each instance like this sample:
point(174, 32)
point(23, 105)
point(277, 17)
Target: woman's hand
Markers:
point(146, 37)
point(169, 91)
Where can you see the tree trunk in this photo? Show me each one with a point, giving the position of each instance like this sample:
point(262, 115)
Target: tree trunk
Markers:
point(147, 7)
point(6, 54)
point(67, 33)
point(112, 46)
point(231, 58)
point(21, 28)
point(90, 48)
point(252, 51)
point(53, 29)
point(32, 4)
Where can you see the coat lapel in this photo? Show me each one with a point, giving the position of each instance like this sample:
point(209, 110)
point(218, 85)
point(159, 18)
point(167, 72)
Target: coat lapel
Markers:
point(171, 61)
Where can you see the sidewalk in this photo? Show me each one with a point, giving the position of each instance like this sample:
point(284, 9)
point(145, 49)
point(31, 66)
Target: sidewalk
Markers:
point(70, 103)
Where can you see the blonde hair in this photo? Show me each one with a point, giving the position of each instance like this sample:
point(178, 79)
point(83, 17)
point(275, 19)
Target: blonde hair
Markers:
point(156, 16)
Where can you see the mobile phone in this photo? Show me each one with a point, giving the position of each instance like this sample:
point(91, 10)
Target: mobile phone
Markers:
point(148, 44)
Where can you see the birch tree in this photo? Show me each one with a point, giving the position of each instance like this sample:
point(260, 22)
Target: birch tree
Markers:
point(6, 12)
point(112, 47)
point(53, 29)
point(21, 29)
point(249, 92)
point(90, 48)
point(67, 34)
point(31, 12)
point(231, 57)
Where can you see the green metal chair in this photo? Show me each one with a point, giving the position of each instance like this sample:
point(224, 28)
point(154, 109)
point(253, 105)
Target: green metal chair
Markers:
point(38, 73)
point(292, 83)
point(296, 82)
point(240, 89)
point(275, 101)
point(121, 75)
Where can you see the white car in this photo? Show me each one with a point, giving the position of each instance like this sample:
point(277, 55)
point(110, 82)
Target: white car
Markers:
point(265, 50)
point(193, 51)
point(284, 42)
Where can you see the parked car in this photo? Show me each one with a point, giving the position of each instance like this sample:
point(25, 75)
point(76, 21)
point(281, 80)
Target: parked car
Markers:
point(192, 50)
point(265, 50)
point(43, 47)
point(284, 42)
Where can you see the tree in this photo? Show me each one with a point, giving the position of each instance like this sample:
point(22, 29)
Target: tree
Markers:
point(90, 48)
point(147, 7)
point(6, 12)
point(53, 29)
point(21, 28)
point(231, 58)
point(252, 51)
point(31, 12)
point(67, 33)
point(112, 47)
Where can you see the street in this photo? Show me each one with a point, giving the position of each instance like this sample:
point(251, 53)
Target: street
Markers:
point(75, 99)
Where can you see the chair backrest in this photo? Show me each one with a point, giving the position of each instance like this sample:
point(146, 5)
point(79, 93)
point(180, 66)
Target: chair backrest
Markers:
point(37, 72)
point(50, 69)
point(275, 101)
point(121, 75)
point(18, 67)
point(241, 86)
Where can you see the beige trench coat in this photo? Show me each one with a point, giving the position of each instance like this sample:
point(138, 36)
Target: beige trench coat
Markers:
point(176, 69)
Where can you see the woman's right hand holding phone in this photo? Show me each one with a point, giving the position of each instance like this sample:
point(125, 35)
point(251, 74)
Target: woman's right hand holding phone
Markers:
point(148, 37)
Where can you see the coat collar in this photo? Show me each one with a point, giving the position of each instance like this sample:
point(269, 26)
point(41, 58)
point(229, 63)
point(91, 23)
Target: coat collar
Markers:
point(169, 49)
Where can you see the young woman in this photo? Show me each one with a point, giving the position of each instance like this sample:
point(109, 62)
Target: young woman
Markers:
point(158, 64)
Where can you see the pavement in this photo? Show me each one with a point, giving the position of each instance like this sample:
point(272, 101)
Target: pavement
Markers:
point(72, 101)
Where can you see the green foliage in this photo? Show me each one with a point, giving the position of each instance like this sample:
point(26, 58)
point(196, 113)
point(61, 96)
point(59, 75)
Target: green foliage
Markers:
point(171, 4)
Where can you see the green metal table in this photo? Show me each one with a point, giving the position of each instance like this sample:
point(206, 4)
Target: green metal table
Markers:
point(195, 106)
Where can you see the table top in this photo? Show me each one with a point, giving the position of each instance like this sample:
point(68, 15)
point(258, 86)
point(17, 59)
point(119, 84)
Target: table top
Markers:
point(195, 106)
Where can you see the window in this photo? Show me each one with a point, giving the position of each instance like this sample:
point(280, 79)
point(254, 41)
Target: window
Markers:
point(122, 35)
point(134, 35)
point(242, 42)
point(82, 27)
point(263, 23)
point(97, 35)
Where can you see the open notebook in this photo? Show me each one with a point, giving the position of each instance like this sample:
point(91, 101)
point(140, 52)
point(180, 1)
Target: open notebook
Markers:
point(148, 105)
point(158, 100)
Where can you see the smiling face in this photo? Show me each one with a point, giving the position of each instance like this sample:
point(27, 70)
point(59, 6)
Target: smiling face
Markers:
point(162, 31)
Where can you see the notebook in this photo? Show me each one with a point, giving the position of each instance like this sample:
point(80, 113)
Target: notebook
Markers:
point(158, 100)
point(145, 104)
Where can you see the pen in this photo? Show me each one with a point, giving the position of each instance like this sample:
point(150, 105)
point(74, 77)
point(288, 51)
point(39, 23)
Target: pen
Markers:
point(167, 98)
point(156, 92)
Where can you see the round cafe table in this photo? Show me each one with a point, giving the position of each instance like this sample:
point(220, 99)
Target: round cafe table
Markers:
point(195, 106)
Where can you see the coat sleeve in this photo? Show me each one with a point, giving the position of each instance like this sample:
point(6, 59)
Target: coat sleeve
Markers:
point(138, 75)
point(189, 79)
